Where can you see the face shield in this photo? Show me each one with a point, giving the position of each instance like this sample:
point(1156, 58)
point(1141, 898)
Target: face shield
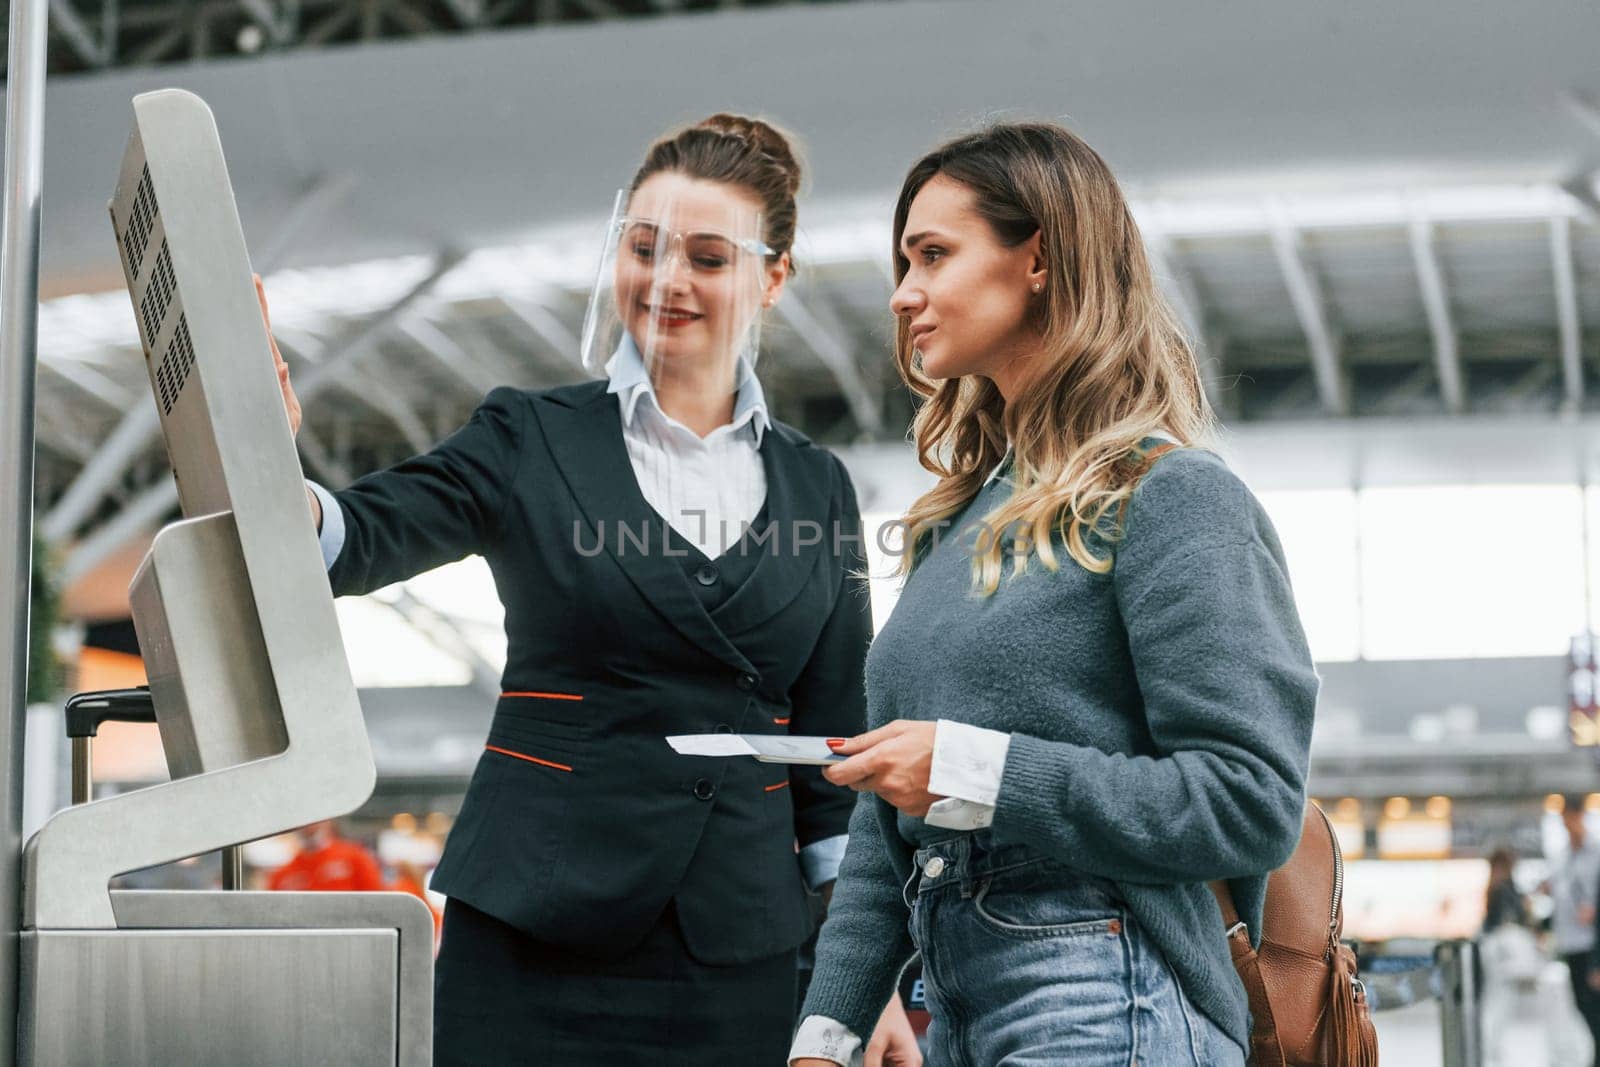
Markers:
point(681, 284)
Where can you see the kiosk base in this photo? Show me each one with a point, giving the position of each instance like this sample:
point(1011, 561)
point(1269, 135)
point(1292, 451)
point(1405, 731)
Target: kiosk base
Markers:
point(203, 978)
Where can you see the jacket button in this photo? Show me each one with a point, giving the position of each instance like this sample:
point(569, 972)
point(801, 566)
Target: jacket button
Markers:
point(706, 575)
point(704, 790)
point(747, 682)
point(724, 728)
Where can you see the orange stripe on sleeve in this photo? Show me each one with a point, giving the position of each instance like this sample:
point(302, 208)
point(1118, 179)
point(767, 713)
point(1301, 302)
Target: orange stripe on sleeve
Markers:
point(775, 788)
point(544, 696)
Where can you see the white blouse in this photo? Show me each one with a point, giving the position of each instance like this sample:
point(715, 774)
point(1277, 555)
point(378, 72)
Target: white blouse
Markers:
point(710, 488)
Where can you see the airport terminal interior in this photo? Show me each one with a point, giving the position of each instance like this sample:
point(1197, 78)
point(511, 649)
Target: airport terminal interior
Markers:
point(1379, 225)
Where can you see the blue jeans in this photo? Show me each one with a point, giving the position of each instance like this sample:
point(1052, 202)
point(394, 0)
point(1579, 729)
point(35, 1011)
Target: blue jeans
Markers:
point(1027, 963)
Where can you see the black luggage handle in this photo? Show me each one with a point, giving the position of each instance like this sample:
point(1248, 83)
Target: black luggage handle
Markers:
point(86, 711)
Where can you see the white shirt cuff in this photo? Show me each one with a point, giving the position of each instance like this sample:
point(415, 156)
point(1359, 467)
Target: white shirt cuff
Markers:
point(968, 765)
point(953, 814)
point(820, 860)
point(822, 1038)
point(968, 762)
point(331, 536)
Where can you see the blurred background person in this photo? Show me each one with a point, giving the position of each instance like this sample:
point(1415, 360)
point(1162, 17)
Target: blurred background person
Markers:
point(328, 862)
point(1504, 906)
point(1509, 954)
point(1575, 892)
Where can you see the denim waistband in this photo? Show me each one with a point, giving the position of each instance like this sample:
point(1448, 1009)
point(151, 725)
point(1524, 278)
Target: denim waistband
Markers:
point(969, 858)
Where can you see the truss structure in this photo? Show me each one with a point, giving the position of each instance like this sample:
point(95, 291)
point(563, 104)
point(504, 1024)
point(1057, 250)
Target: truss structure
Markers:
point(92, 35)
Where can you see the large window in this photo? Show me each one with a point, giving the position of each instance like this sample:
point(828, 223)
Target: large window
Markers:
point(1437, 572)
point(1318, 531)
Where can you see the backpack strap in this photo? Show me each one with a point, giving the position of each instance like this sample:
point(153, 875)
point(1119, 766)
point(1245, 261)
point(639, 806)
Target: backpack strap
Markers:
point(1265, 1048)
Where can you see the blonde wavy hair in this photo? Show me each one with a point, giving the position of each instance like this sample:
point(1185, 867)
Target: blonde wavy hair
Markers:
point(1115, 366)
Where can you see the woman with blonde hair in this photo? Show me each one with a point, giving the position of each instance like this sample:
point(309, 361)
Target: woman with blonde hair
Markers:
point(1094, 695)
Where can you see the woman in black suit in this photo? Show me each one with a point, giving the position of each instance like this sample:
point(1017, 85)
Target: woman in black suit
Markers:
point(611, 902)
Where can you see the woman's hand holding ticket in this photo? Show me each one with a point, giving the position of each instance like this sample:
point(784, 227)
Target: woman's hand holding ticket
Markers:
point(893, 761)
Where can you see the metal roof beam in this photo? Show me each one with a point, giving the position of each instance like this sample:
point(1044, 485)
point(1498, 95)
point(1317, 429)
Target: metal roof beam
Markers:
point(543, 323)
point(320, 196)
point(396, 407)
point(1310, 307)
point(1441, 324)
point(65, 18)
point(138, 517)
point(1178, 283)
point(449, 356)
point(470, 13)
point(1569, 325)
point(279, 27)
point(91, 382)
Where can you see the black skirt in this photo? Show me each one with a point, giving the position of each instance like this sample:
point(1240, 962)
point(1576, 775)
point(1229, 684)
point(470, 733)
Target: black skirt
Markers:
point(502, 998)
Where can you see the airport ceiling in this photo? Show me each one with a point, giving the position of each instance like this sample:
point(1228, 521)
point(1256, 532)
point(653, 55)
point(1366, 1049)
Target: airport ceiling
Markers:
point(1362, 210)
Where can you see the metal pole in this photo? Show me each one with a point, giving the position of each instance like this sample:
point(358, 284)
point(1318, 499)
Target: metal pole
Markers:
point(19, 310)
point(233, 867)
point(82, 770)
point(1458, 1003)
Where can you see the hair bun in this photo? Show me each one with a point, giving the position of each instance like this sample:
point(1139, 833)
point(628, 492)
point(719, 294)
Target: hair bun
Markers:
point(745, 153)
point(763, 137)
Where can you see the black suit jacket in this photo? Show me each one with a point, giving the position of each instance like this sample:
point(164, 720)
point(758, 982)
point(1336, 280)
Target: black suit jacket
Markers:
point(580, 824)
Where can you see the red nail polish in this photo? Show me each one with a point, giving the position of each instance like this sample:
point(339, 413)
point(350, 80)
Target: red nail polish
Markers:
point(835, 742)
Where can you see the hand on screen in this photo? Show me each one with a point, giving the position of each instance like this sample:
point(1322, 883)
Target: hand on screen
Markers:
point(291, 403)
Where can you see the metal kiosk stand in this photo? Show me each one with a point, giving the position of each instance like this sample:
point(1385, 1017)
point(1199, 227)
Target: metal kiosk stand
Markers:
point(258, 715)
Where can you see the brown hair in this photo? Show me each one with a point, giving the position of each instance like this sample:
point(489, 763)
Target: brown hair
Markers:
point(1501, 860)
point(749, 153)
point(1115, 365)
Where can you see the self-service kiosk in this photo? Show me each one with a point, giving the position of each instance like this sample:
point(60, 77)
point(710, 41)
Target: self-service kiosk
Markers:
point(252, 694)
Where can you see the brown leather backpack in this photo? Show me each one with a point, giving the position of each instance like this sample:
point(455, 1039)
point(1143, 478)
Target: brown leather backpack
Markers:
point(1308, 1008)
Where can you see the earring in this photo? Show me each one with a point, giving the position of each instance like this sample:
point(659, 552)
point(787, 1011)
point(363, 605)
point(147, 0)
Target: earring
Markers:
point(1038, 287)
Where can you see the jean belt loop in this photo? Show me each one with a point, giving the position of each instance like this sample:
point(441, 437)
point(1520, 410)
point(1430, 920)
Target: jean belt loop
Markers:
point(968, 865)
point(907, 891)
